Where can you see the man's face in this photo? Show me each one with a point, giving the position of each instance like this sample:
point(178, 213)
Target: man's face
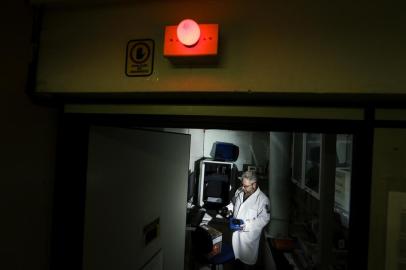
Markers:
point(248, 187)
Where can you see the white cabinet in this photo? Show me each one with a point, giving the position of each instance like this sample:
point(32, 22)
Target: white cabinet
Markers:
point(321, 169)
point(306, 162)
point(307, 165)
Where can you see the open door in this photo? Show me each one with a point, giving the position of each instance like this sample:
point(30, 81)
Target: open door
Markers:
point(135, 212)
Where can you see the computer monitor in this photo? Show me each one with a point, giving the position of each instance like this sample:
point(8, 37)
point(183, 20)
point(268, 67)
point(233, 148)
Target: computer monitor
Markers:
point(214, 183)
point(223, 151)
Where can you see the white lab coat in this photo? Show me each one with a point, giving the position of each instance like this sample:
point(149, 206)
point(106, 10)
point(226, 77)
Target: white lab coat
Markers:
point(255, 212)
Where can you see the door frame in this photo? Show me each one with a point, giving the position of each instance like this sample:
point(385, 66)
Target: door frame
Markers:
point(71, 167)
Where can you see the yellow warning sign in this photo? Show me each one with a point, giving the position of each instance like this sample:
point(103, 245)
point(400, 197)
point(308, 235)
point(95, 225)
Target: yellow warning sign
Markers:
point(140, 57)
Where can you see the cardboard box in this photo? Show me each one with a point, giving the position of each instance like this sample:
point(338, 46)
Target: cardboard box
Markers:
point(216, 237)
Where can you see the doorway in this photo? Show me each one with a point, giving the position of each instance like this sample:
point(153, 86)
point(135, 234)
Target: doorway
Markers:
point(298, 202)
point(79, 166)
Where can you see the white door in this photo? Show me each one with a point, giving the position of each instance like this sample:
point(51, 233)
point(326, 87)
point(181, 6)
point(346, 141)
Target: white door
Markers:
point(135, 211)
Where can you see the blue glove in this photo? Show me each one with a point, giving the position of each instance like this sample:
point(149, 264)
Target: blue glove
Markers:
point(236, 224)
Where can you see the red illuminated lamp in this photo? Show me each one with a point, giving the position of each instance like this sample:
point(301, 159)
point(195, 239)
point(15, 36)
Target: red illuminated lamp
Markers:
point(191, 39)
point(188, 32)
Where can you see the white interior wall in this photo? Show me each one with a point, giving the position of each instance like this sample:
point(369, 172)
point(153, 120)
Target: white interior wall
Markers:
point(253, 146)
point(279, 183)
point(247, 141)
point(240, 138)
point(196, 146)
point(261, 146)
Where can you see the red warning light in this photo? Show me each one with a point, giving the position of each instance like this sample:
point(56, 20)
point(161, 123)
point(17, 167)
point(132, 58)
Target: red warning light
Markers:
point(188, 32)
point(191, 39)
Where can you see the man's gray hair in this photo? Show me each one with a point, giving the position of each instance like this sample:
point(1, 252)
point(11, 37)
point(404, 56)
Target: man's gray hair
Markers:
point(250, 175)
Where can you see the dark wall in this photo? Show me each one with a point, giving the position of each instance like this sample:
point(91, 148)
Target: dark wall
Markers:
point(27, 143)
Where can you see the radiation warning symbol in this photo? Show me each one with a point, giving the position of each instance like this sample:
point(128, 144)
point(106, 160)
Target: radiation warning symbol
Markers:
point(140, 57)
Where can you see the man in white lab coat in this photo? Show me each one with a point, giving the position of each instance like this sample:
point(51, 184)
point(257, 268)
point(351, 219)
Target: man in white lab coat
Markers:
point(252, 206)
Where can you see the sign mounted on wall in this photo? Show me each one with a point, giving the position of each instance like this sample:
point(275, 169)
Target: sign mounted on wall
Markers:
point(139, 57)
